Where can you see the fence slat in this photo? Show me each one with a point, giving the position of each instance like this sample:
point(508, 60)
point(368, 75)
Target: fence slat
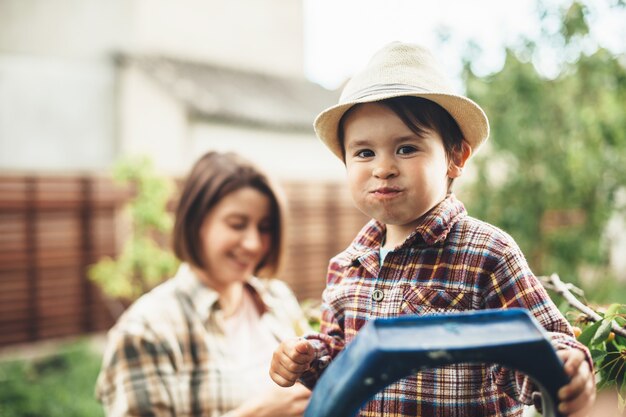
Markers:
point(53, 228)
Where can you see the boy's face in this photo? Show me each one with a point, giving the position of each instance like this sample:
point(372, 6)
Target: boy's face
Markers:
point(394, 175)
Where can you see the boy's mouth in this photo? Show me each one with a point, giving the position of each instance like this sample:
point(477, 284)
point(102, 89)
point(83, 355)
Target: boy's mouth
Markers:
point(386, 191)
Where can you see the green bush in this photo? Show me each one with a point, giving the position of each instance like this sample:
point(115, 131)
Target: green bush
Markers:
point(142, 262)
point(59, 385)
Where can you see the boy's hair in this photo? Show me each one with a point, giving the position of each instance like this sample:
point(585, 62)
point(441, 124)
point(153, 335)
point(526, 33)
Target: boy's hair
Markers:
point(213, 177)
point(419, 115)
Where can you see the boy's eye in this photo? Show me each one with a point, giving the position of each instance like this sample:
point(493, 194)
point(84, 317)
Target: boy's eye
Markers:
point(364, 153)
point(406, 150)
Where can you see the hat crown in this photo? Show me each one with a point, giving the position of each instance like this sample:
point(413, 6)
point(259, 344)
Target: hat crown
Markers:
point(395, 66)
point(399, 70)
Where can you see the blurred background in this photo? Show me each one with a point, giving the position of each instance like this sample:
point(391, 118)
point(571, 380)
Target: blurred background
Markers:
point(97, 91)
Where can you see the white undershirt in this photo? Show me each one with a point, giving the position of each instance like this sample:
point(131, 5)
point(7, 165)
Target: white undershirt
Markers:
point(383, 254)
point(250, 345)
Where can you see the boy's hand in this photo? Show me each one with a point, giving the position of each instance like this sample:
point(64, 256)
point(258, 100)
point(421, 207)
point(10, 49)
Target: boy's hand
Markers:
point(577, 397)
point(291, 358)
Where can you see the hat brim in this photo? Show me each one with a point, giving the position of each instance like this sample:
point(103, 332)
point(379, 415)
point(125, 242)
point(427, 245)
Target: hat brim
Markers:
point(469, 116)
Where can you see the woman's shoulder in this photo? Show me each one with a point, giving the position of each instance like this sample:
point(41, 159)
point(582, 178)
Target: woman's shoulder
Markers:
point(154, 308)
point(271, 287)
point(282, 305)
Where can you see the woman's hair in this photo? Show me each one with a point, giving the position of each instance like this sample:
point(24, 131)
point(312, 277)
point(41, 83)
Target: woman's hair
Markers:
point(213, 177)
point(419, 114)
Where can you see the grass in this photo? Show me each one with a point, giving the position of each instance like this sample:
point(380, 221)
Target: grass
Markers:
point(60, 385)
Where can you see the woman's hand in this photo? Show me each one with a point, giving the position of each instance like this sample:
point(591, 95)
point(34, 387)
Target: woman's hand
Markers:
point(276, 402)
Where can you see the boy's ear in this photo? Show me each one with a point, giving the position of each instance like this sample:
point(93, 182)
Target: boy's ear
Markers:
point(459, 157)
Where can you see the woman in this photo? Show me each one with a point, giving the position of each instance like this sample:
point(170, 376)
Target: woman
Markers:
point(200, 344)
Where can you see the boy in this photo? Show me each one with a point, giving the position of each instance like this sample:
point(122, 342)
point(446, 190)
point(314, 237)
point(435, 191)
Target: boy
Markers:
point(404, 137)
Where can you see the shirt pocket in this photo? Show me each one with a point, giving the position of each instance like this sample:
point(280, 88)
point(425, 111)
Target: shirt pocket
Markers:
point(347, 296)
point(424, 300)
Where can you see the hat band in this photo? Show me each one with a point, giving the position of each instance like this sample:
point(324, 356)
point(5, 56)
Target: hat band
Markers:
point(390, 89)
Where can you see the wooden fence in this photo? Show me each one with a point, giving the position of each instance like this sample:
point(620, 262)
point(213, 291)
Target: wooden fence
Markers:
point(52, 228)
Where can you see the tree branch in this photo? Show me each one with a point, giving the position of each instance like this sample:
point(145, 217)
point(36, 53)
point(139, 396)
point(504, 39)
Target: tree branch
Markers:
point(562, 289)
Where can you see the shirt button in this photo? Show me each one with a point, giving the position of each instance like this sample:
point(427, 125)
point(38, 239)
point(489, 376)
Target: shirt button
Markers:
point(378, 295)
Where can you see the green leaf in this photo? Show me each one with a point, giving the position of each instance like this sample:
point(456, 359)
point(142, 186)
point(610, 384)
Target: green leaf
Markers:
point(598, 355)
point(587, 334)
point(602, 333)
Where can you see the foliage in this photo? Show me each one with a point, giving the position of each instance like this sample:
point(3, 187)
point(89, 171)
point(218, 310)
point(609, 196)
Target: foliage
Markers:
point(553, 169)
point(312, 312)
point(606, 340)
point(61, 385)
point(601, 329)
point(143, 262)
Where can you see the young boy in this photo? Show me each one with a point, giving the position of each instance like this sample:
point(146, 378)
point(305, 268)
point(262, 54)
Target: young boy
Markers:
point(404, 137)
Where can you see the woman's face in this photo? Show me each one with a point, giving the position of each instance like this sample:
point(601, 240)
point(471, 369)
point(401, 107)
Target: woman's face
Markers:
point(235, 237)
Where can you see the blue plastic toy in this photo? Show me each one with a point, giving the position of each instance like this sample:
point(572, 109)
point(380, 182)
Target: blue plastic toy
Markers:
point(386, 350)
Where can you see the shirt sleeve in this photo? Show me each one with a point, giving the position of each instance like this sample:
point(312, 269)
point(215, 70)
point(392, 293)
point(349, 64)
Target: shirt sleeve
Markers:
point(513, 285)
point(136, 377)
point(330, 340)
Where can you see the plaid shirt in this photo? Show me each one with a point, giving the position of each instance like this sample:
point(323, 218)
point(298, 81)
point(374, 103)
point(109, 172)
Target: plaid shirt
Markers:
point(452, 262)
point(167, 355)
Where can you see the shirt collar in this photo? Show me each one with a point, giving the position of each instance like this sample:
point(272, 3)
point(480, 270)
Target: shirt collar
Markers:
point(437, 223)
point(432, 229)
point(204, 299)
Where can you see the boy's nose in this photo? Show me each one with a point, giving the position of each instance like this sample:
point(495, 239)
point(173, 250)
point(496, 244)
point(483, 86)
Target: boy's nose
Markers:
point(385, 169)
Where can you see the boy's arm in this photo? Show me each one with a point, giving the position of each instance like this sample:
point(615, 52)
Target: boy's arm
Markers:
point(331, 339)
point(514, 285)
point(326, 344)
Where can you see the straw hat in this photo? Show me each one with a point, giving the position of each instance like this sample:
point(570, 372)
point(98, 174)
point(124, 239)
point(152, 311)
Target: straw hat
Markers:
point(396, 70)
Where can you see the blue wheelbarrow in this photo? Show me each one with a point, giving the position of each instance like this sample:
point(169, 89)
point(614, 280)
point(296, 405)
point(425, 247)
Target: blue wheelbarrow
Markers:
point(386, 350)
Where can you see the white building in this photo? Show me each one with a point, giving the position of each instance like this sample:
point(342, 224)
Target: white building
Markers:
point(83, 82)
